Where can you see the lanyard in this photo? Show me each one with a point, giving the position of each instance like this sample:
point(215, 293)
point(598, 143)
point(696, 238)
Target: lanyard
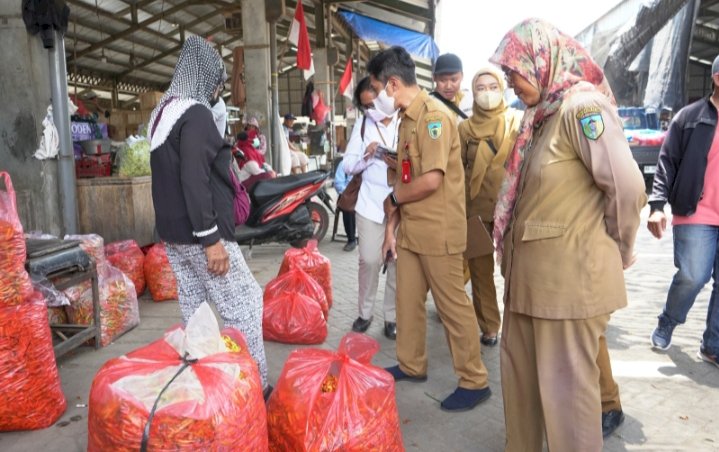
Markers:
point(396, 132)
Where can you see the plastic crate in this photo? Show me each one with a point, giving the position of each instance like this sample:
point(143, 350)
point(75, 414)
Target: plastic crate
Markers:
point(97, 166)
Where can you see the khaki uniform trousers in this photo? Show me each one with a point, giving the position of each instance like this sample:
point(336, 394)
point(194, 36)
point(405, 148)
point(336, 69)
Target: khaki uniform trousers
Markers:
point(416, 274)
point(484, 293)
point(549, 383)
point(607, 386)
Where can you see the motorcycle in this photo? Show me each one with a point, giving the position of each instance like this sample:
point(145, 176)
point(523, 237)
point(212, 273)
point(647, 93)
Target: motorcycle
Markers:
point(283, 210)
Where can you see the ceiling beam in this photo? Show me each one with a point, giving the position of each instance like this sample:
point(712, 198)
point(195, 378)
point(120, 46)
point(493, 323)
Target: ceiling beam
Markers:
point(115, 17)
point(133, 28)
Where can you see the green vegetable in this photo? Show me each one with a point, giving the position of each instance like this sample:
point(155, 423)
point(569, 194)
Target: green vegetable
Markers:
point(135, 159)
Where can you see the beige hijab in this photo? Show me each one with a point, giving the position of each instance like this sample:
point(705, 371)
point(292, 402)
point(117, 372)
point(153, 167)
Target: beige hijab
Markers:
point(486, 125)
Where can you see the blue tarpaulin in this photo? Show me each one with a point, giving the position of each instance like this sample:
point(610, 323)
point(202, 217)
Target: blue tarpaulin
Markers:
point(368, 29)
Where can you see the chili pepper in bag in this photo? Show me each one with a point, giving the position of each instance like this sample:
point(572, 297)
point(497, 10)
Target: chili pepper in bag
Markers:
point(158, 274)
point(129, 259)
point(326, 400)
point(31, 396)
point(15, 284)
point(215, 404)
point(313, 263)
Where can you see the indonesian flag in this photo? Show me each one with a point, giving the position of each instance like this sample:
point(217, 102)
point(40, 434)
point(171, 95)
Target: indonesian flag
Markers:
point(347, 80)
point(300, 38)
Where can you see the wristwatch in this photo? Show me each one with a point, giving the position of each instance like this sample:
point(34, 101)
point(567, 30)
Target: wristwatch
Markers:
point(393, 199)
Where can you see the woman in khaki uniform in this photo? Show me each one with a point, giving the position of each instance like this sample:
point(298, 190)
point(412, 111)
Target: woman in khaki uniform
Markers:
point(565, 222)
point(486, 138)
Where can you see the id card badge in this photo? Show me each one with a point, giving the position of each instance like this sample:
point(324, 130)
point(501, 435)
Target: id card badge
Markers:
point(406, 170)
point(406, 166)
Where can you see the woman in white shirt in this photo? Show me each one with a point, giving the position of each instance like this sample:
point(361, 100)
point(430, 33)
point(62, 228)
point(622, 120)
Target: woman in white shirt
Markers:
point(364, 155)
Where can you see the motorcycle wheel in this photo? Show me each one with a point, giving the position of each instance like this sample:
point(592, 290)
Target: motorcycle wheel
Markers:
point(320, 218)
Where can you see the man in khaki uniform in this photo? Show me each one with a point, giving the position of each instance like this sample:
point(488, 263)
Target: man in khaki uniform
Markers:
point(432, 231)
point(573, 232)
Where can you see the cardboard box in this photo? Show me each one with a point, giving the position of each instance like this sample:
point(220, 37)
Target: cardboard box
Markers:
point(150, 99)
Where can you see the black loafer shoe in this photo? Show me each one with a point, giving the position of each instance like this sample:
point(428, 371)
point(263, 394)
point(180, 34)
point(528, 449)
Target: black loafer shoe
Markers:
point(399, 375)
point(610, 421)
point(465, 399)
point(350, 246)
point(390, 330)
point(488, 341)
point(360, 325)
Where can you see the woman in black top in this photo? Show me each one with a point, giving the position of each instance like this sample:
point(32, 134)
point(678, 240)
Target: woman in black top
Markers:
point(193, 194)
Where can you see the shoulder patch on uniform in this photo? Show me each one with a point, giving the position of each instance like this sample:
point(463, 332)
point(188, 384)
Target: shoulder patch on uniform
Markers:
point(590, 118)
point(435, 129)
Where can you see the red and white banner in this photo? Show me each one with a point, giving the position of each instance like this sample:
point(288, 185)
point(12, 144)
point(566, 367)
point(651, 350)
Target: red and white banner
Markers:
point(347, 82)
point(299, 37)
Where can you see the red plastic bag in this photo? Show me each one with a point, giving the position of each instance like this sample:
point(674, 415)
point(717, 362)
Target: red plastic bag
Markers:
point(216, 404)
point(313, 263)
point(15, 284)
point(296, 280)
point(158, 274)
point(119, 310)
point(129, 258)
point(326, 400)
point(293, 318)
point(30, 393)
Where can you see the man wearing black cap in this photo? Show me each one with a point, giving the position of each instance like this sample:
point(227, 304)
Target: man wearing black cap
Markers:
point(686, 178)
point(448, 77)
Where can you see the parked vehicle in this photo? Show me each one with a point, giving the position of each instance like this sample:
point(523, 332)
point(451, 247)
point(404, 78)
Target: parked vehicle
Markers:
point(645, 136)
point(285, 209)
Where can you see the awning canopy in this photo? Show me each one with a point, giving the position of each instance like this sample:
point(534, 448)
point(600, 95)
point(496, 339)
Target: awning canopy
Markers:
point(369, 29)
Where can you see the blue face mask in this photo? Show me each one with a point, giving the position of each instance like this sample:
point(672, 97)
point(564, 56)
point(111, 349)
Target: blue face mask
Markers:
point(256, 143)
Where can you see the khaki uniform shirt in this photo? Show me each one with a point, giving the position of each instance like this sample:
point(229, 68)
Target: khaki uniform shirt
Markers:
point(576, 215)
point(436, 225)
point(491, 161)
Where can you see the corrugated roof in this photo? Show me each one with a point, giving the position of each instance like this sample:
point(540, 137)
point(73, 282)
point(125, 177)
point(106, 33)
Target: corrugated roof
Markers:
point(133, 44)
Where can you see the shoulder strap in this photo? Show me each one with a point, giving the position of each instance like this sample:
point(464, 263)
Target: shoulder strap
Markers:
point(449, 104)
point(364, 121)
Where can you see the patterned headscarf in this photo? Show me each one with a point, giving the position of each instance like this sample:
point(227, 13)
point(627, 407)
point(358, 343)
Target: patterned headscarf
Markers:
point(557, 66)
point(198, 73)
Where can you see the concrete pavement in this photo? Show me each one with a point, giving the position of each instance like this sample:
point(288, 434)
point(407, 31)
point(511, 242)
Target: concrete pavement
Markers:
point(670, 398)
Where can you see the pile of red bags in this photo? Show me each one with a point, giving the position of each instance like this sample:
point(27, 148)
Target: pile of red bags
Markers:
point(313, 263)
point(214, 404)
point(326, 400)
point(30, 393)
point(295, 309)
point(129, 259)
point(15, 284)
point(119, 311)
point(158, 274)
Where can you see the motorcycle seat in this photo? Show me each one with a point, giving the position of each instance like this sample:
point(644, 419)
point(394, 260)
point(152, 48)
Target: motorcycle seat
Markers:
point(265, 190)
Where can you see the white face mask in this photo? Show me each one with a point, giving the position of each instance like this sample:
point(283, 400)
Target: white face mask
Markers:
point(488, 100)
point(376, 115)
point(256, 143)
point(384, 103)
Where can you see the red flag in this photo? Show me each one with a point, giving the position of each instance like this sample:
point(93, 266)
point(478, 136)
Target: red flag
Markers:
point(299, 37)
point(347, 80)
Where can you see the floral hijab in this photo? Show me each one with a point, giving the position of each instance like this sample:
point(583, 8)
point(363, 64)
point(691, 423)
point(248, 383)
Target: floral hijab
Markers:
point(557, 65)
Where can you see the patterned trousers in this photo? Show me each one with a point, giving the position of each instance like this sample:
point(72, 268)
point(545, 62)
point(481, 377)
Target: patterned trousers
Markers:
point(237, 296)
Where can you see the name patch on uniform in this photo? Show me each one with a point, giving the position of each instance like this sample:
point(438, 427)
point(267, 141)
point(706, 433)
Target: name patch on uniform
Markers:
point(435, 129)
point(592, 122)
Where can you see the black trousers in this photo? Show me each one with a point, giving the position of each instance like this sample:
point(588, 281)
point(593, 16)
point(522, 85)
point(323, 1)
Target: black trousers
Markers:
point(350, 223)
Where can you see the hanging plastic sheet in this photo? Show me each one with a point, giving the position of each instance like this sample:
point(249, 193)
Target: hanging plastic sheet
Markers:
point(418, 44)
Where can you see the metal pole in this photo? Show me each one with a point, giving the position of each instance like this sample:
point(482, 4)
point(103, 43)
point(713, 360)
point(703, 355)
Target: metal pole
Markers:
point(61, 117)
point(275, 110)
point(333, 138)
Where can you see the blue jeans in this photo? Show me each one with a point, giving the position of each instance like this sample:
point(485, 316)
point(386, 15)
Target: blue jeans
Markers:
point(696, 257)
